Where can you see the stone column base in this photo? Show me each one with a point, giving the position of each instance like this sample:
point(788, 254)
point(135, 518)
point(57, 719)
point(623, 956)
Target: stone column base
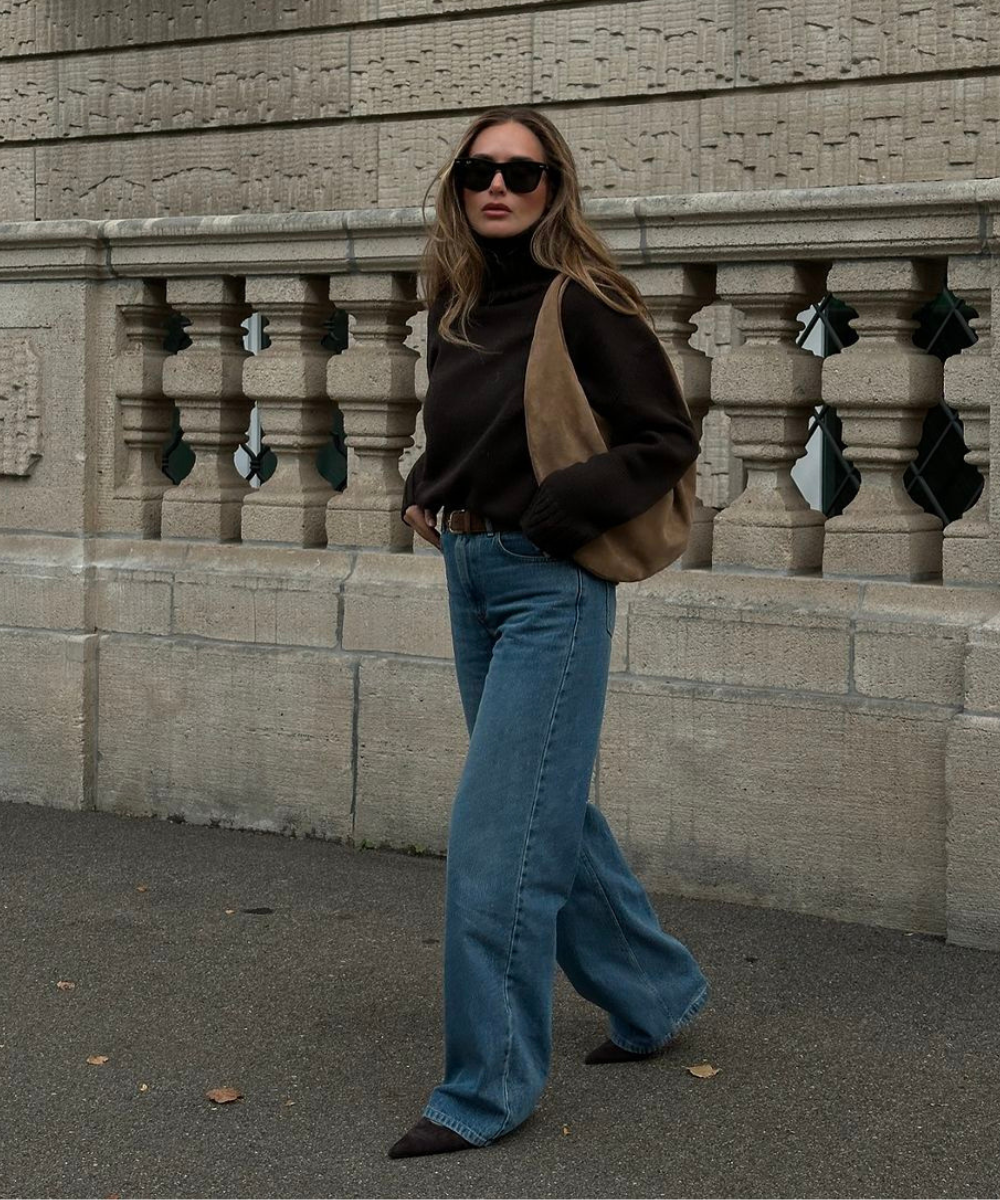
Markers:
point(906, 547)
point(350, 523)
point(210, 517)
point(299, 522)
point(791, 546)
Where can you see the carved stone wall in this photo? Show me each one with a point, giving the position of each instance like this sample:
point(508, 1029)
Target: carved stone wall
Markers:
point(210, 106)
point(20, 423)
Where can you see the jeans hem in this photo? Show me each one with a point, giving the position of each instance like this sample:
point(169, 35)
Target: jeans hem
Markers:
point(686, 1017)
point(463, 1130)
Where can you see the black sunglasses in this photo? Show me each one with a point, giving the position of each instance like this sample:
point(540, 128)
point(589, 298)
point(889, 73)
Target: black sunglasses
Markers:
point(519, 175)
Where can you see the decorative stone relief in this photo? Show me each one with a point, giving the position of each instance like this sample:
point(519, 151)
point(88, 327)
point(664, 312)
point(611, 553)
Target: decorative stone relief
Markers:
point(215, 171)
point(17, 183)
point(441, 65)
point(176, 87)
point(54, 26)
point(20, 419)
point(633, 49)
point(17, 26)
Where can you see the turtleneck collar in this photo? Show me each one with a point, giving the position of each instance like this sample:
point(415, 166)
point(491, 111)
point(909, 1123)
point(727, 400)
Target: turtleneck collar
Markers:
point(510, 266)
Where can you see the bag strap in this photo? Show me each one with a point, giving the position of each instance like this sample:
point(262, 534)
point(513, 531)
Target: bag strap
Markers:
point(562, 427)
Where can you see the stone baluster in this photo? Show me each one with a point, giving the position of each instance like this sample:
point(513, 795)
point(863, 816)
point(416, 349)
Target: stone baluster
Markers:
point(288, 383)
point(972, 388)
point(769, 387)
point(881, 387)
point(206, 382)
point(145, 413)
point(673, 295)
point(373, 384)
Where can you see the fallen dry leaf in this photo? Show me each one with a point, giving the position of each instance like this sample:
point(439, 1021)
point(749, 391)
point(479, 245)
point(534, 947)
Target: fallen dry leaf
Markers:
point(230, 911)
point(565, 1130)
point(703, 1070)
point(143, 1087)
point(224, 1095)
point(97, 1060)
point(142, 888)
point(289, 1103)
point(65, 985)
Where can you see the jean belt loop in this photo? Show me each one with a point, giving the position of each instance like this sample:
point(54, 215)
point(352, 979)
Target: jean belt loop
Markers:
point(489, 525)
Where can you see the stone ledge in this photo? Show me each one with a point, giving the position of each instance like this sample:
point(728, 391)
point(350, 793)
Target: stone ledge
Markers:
point(887, 642)
point(397, 603)
point(222, 557)
point(982, 670)
point(888, 220)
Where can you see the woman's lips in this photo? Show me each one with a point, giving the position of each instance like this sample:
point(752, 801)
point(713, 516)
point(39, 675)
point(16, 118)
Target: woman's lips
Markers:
point(496, 211)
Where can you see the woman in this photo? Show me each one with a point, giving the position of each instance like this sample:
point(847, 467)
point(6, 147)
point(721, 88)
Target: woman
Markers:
point(534, 874)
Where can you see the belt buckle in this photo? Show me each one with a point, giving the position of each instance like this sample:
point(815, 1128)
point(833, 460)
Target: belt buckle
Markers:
point(455, 512)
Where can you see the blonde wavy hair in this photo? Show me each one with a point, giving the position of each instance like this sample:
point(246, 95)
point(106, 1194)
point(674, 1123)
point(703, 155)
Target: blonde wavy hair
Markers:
point(453, 265)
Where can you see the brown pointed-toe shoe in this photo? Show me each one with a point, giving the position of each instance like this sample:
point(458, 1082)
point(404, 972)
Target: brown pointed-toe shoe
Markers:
point(610, 1052)
point(427, 1137)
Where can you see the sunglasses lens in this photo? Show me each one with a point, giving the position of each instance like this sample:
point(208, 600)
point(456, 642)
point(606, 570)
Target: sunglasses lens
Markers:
point(522, 177)
point(476, 175)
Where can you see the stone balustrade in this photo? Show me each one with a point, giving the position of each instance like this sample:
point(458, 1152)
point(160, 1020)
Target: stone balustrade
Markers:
point(768, 257)
point(288, 385)
point(786, 654)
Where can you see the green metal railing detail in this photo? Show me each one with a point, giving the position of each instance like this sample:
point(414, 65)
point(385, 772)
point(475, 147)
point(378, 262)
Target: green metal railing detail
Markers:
point(938, 479)
point(178, 458)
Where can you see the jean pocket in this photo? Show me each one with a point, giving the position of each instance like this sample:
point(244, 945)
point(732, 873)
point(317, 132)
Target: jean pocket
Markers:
point(611, 603)
point(520, 546)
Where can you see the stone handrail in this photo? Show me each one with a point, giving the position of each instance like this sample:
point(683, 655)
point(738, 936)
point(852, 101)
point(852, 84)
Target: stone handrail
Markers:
point(872, 221)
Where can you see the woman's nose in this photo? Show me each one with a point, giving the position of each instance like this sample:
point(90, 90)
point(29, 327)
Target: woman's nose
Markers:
point(493, 183)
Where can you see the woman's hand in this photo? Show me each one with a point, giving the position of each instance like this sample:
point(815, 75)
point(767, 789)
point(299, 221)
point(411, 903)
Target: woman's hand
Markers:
point(424, 521)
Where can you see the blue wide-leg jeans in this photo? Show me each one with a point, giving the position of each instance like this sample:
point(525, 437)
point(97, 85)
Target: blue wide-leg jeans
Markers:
point(534, 874)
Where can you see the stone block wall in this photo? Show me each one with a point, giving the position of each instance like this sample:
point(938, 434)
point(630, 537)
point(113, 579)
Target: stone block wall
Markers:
point(210, 106)
point(765, 741)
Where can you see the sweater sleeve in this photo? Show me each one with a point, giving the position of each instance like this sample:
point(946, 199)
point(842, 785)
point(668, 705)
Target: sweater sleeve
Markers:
point(413, 481)
point(623, 371)
point(416, 473)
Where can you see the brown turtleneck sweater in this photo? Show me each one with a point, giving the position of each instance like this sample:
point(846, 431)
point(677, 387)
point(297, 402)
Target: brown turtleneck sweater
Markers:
point(477, 448)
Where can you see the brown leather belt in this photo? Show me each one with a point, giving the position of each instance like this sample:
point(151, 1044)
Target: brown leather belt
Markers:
point(464, 520)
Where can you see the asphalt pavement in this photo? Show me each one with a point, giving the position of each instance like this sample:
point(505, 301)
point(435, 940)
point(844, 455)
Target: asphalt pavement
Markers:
point(306, 975)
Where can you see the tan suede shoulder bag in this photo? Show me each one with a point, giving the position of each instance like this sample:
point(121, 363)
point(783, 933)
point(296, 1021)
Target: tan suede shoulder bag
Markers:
point(563, 429)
